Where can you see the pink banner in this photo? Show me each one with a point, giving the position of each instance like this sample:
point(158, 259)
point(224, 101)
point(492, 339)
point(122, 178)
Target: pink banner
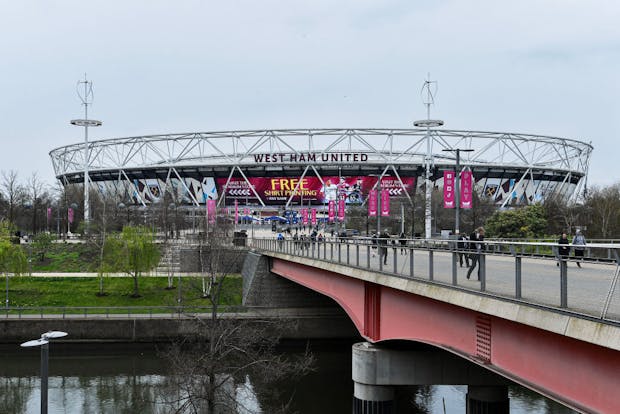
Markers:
point(304, 216)
point(385, 203)
point(372, 203)
point(49, 214)
point(466, 189)
point(313, 216)
point(331, 213)
point(211, 210)
point(448, 189)
point(236, 211)
point(341, 209)
point(70, 215)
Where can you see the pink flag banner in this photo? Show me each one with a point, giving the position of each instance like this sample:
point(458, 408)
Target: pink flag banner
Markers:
point(331, 210)
point(341, 209)
point(467, 189)
point(70, 215)
point(448, 189)
point(372, 203)
point(211, 211)
point(236, 211)
point(385, 203)
point(313, 216)
point(304, 216)
point(49, 215)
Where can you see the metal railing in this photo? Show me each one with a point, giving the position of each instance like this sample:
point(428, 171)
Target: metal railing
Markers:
point(113, 312)
point(532, 273)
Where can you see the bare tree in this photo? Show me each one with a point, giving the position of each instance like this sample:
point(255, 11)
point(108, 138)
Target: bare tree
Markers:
point(210, 367)
point(13, 193)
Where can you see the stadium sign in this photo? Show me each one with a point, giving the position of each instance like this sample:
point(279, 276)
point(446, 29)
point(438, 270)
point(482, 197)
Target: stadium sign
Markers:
point(310, 157)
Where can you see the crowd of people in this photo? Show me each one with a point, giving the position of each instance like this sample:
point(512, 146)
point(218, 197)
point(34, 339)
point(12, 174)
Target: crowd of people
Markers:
point(469, 248)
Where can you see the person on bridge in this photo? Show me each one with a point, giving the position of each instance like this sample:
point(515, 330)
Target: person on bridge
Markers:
point(475, 244)
point(383, 243)
point(579, 243)
point(462, 246)
point(403, 243)
point(564, 248)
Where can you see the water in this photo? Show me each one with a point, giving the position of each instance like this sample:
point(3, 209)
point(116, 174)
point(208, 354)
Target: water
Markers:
point(114, 378)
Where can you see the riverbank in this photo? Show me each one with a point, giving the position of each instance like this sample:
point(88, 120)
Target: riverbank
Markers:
point(307, 323)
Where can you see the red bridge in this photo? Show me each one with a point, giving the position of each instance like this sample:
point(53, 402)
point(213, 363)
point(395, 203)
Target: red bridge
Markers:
point(531, 320)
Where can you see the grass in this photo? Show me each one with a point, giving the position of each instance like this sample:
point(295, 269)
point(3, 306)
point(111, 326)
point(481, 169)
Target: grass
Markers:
point(25, 291)
point(65, 257)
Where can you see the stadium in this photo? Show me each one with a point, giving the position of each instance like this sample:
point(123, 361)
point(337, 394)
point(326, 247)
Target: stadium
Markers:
point(296, 167)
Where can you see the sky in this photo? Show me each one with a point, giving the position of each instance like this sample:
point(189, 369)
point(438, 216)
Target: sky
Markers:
point(548, 67)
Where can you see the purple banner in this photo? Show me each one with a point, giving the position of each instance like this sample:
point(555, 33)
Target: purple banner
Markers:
point(466, 189)
point(448, 189)
point(341, 209)
point(372, 203)
point(385, 203)
point(211, 211)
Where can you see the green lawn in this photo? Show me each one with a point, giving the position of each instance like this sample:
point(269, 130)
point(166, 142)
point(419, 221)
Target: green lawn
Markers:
point(27, 291)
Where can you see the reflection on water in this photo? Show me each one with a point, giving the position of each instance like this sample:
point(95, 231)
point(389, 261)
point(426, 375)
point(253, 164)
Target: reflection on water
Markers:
point(131, 379)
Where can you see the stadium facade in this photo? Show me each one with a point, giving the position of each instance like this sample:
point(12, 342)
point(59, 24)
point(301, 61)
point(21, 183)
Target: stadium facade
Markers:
point(310, 166)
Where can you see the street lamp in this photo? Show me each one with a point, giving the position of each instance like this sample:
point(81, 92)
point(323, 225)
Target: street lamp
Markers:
point(457, 179)
point(87, 98)
point(43, 342)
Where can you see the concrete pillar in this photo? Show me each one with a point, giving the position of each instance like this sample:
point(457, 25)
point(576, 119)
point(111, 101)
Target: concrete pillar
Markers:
point(487, 399)
point(373, 399)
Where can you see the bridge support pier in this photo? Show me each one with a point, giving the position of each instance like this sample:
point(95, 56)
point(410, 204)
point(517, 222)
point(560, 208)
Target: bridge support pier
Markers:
point(487, 399)
point(378, 371)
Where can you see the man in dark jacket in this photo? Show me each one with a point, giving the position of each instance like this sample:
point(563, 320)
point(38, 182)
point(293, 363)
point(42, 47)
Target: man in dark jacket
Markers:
point(383, 243)
point(476, 245)
point(463, 245)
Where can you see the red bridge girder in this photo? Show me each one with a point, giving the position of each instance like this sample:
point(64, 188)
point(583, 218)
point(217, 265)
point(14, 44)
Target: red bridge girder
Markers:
point(579, 374)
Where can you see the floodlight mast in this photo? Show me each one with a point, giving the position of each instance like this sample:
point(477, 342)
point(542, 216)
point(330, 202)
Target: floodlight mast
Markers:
point(86, 97)
point(429, 89)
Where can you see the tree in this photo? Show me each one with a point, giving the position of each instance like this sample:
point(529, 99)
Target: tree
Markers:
point(603, 204)
point(220, 356)
point(13, 193)
point(525, 222)
point(12, 257)
point(133, 251)
point(42, 243)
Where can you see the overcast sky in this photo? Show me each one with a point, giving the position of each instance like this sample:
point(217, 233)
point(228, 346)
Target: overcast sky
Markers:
point(165, 66)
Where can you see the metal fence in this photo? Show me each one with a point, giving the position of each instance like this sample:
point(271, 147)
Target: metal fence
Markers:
point(532, 273)
point(114, 312)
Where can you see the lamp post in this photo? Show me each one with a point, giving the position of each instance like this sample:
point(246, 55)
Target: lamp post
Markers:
point(43, 342)
point(87, 99)
point(429, 89)
point(457, 179)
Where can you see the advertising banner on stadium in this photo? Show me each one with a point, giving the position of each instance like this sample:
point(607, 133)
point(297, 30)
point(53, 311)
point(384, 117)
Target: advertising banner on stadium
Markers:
point(332, 210)
point(313, 217)
point(304, 216)
point(277, 190)
point(466, 189)
point(448, 189)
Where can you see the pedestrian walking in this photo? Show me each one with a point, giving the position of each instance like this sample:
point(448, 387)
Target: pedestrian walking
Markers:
point(563, 248)
point(462, 245)
point(383, 243)
point(475, 244)
point(579, 243)
point(403, 243)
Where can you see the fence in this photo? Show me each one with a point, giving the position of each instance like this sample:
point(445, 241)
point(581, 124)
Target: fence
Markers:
point(533, 273)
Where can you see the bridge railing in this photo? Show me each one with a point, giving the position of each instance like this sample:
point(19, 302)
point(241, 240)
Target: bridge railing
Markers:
point(584, 282)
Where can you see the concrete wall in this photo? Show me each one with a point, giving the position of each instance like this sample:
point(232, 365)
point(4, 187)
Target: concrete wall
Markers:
point(230, 259)
point(94, 329)
point(261, 288)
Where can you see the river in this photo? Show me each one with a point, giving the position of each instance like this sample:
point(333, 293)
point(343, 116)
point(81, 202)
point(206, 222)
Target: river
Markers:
point(115, 378)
